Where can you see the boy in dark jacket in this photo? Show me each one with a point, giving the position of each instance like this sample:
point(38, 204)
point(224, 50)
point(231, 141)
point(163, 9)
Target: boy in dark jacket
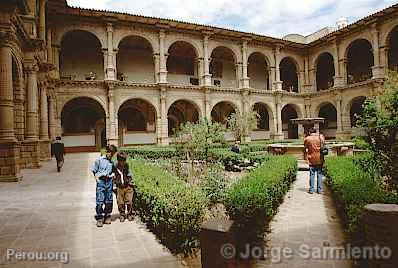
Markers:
point(124, 184)
point(58, 150)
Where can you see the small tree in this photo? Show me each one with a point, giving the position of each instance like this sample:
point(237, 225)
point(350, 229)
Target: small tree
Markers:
point(380, 121)
point(241, 124)
point(195, 139)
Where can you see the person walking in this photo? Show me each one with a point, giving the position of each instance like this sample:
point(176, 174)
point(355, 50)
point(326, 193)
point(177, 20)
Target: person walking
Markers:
point(313, 143)
point(103, 173)
point(58, 150)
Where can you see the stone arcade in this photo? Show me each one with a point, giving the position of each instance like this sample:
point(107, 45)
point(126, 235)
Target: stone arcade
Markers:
point(96, 77)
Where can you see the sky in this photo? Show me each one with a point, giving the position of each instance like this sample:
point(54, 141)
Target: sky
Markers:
point(275, 18)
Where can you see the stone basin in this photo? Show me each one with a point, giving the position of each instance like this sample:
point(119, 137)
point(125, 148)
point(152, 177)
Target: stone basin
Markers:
point(297, 149)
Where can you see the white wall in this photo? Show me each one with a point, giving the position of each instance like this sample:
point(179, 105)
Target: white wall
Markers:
point(79, 140)
point(137, 65)
point(139, 138)
point(260, 135)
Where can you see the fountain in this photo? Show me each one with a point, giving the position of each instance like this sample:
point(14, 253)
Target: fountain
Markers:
point(297, 148)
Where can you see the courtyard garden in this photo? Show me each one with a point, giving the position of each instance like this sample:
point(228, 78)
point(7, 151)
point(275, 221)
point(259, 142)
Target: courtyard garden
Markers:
point(199, 177)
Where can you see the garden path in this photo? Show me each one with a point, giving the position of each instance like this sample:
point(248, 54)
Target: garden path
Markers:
point(305, 223)
point(50, 211)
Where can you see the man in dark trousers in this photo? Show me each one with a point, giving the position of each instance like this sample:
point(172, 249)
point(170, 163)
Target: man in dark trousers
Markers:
point(58, 150)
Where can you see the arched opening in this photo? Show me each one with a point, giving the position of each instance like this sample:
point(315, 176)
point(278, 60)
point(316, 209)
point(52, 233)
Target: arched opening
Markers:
point(181, 64)
point(325, 71)
point(289, 75)
point(290, 130)
point(137, 122)
point(83, 125)
point(180, 112)
point(356, 110)
point(393, 50)
point(263, 116)
point(329, 127)
point(81, 56)
point(222, 111)
point(258, 71)
point(135, 60)
point(222, 67)
point(263, 122)
point(359, 61)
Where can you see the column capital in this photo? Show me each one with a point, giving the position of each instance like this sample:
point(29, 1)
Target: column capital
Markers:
point(31, 67)
point(109, 27)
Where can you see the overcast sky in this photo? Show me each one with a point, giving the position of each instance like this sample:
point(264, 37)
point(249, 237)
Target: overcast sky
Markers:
point(269, 17)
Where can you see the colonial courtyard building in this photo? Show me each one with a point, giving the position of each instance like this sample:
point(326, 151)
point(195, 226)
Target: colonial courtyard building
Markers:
point(96, 77)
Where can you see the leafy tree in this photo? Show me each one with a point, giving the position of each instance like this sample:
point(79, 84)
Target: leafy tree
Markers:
point(195, 139)
point(380, 121)
point(241, 124)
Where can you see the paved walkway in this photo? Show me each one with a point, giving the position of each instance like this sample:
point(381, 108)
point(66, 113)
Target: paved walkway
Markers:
point(306, 221)
point(50, 211)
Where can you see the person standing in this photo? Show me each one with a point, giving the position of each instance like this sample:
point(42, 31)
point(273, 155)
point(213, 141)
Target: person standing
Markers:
point(124, 184)
point(103, 173)
point(312, 144)
point(58, 150)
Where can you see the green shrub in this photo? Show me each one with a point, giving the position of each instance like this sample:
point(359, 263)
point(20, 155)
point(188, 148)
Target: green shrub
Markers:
point(354, 187)
point(151, 152)
point(171, 208)
point(252, 201)
point(215, 186)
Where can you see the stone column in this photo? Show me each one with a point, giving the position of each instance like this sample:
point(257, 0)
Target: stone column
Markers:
point(113, 121)
point(307, 85)
point(156, 62)
point(277, 56)
point(312, 79)
point(43, 113)
point(338, 78)
point(56, 72)
point(51, 117)
point(42, 19)
point(31, 150)
point(384, 59)
point(343, 71)
point(32, 107)
point(206, 61)
point(162, 55)
point(199, 63)
point(6, 96)
point(9, 151)
point(110, 67)
point(245, 80)
point(377, 70)
point(246, 109)
point(207, 105)
point(301, 81)
point(339, 115)
point(238, 73)
point(278, 121)
point(164, 126)
point(50, 56)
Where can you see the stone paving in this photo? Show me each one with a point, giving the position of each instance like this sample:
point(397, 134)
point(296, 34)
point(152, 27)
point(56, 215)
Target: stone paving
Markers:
point(305, 220)
point(50, 211)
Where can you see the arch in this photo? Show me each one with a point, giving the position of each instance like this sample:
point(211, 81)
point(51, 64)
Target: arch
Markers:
point(75, 46)
point(135, 61)
point(223, 67)
point(355, 108)
point(222, 110)
point(325, 71)
point(392, 43)
point(264, 113)
point(118, 38)
point(98, 32)
point(328, 111)
point(98, 99)
point(83, 124)
point(289, 74)
point(360, 61)
point(290, 130)
point(180, 112)
point(137, 122)
point(257, 71)
point(182, 64)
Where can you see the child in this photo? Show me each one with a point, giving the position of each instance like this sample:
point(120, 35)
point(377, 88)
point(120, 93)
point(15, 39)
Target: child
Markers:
point(102, 171)
point(124, 184)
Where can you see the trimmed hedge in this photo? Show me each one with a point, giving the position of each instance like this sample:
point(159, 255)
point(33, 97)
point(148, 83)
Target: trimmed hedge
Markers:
point(151, 152)
point(354, 187)
point(171, 208)
point(252, 201)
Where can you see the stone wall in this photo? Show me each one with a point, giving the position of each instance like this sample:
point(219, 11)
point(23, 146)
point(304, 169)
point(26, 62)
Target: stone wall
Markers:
point(9, 162)
point(30, 154)
point(45, 150)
